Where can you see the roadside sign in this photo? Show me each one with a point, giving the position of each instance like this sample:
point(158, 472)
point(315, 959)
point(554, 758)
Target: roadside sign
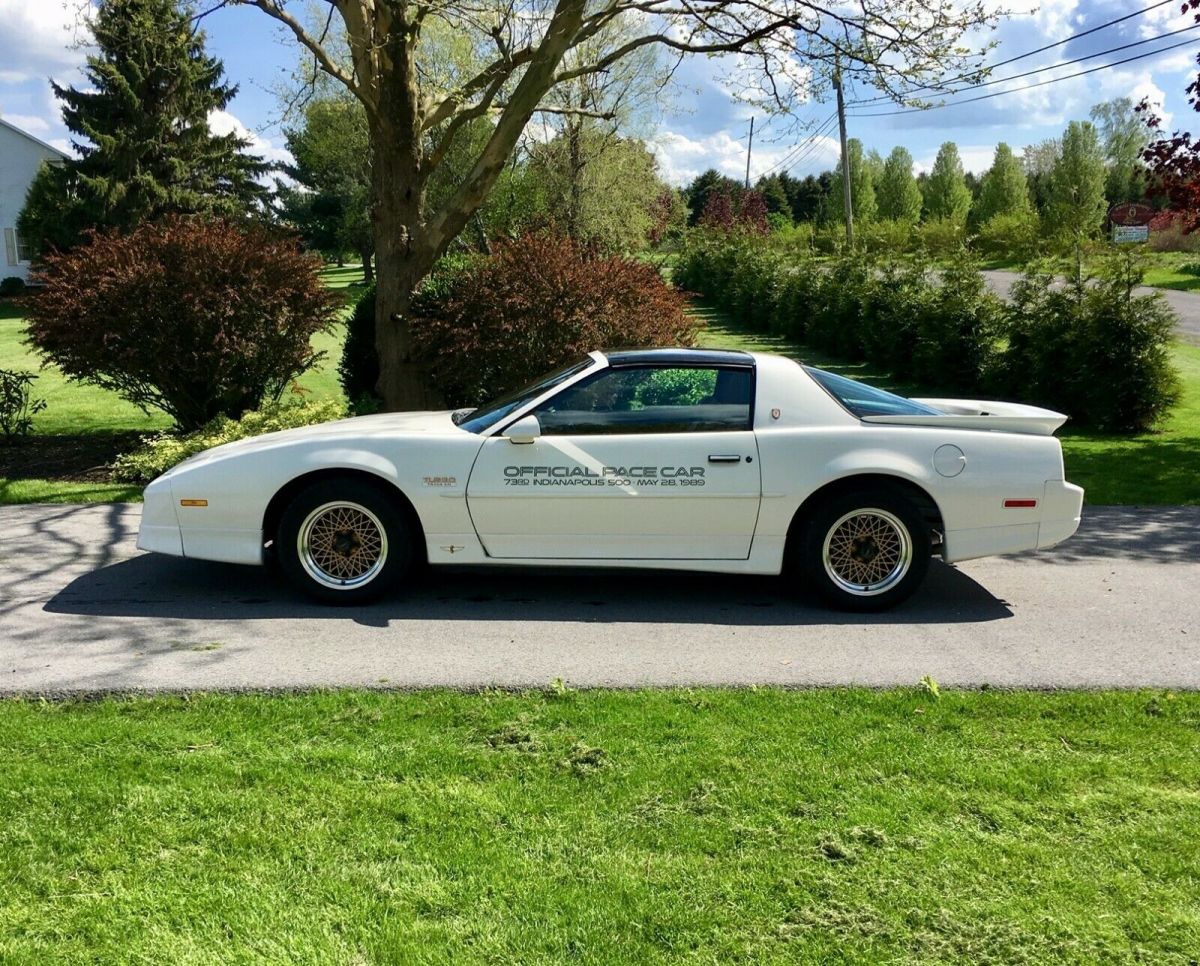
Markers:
point(1130, 222)
point(1130, 213)
point(1130, 234)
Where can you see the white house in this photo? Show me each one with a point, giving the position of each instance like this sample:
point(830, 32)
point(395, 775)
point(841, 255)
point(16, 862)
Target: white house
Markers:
point(21, 154)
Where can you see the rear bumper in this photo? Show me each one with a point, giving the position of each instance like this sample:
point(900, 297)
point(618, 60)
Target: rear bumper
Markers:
point(1062, 508)
point(1052, 520)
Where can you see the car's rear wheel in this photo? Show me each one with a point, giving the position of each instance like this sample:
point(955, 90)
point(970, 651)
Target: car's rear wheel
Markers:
point(344, 541)
point(864, 550)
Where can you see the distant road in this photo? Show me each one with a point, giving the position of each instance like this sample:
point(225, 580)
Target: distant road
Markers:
point(1185, 304)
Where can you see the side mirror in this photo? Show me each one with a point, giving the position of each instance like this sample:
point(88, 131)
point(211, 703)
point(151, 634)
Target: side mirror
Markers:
point(524, 430)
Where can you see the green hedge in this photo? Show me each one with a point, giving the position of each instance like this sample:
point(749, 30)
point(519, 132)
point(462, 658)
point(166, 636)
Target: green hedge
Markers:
point(1094, 351)
point(157, 454)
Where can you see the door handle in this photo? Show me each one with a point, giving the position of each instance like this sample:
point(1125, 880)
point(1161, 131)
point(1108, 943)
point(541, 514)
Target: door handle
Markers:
point(724, 458)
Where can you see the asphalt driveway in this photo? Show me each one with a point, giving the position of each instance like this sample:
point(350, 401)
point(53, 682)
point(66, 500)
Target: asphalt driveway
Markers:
point(1185, 304)
point(81, 609)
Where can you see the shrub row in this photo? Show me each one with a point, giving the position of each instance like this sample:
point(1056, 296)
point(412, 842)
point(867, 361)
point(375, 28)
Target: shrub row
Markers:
point(1094, 350)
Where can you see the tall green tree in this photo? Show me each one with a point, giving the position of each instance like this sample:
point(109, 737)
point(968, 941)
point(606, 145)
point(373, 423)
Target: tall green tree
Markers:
point(897, 193)
point(1124, 133)
point(710, 182)
point(1077, 202)
point(332, 161)
point(141, 126)
point(808, 196)
point(774, 195)
point(1038, 161)
point(862, 187)
point(1004, 190)
point(947, 196)
point(597, 187)
point(524, 52)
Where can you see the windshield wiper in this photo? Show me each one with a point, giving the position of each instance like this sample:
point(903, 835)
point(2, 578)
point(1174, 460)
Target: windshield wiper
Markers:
point(459, 415)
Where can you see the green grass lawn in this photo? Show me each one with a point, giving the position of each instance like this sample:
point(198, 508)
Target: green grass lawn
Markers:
point(660, 826)
point(1162, 467)
point(1177, 270)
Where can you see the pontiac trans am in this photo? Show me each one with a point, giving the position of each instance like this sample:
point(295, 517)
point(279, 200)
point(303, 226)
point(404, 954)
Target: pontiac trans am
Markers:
point(691, 459)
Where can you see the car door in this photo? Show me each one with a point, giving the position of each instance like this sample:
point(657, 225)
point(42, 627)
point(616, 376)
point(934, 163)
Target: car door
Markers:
point(635, 462)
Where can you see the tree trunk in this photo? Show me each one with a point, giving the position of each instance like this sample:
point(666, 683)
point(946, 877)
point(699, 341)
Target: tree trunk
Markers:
point(404, 251)
point(575, 172)
point(367, 268)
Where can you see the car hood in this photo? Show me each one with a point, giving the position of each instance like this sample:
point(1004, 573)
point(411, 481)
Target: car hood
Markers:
point(390, 425)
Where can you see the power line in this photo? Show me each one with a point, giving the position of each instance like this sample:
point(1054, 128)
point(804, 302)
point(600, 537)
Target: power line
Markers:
point(797, 148)
point(815, 146)
point(1029, 87)
point(1064, 63)
point(1031, 53)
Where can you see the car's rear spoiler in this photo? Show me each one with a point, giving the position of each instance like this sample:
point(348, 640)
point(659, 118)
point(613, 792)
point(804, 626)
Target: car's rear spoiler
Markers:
point(1004, 417)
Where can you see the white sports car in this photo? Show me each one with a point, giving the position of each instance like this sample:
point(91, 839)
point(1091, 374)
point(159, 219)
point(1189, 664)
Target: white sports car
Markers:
point(690, 459)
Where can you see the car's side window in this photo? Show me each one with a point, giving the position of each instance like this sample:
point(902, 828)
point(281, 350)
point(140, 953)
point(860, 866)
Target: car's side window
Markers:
point(651, 399)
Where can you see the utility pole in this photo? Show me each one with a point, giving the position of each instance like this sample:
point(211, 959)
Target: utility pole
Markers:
point(749, 145)
point(847, 199)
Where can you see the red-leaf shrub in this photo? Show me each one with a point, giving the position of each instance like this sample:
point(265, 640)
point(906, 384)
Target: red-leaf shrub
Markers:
point(199, 318)
point(538, 302)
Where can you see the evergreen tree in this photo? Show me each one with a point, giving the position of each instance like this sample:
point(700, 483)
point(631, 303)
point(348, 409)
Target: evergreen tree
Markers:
point(141, 127)
point(946, 193)
point(774, 194)
point(1077, 202)
point(1004, 190)
point(703, 185)
point(809, 196)
point(862, 187)
point(897, 195)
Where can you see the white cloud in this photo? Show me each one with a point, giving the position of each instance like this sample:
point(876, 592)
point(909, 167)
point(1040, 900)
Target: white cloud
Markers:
point(222, 122)
point(976, 158)
point(29, 123)
point(682, 158)
point(40, 37)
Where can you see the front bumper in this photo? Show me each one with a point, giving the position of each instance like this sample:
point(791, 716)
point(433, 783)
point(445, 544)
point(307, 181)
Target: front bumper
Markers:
point(159, 530)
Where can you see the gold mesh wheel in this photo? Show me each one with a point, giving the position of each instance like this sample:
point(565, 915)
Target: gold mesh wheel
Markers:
point(342, 545)
point(867, 552)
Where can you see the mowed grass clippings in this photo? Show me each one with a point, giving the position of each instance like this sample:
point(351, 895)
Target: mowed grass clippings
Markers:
point(599, 826)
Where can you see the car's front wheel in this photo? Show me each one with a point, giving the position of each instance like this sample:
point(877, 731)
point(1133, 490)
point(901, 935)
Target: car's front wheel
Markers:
point(865, 550)
point(343, 541)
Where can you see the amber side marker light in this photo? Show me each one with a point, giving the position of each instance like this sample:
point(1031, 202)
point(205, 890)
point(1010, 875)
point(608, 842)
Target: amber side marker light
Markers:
point(193, 502)
point(1019, 504)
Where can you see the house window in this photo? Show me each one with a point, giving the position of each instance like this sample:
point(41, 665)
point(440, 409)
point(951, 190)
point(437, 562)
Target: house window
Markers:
point(24, 249)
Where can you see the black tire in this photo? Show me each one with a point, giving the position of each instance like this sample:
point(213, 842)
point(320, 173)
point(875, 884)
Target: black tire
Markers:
point(864, 550)
point(344, 541)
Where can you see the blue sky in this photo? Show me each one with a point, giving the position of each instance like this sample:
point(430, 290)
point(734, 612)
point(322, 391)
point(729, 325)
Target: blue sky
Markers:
point(706, 128)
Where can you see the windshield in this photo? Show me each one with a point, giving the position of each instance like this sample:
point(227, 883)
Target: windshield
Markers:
point(864, 400)
point(488, 415)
